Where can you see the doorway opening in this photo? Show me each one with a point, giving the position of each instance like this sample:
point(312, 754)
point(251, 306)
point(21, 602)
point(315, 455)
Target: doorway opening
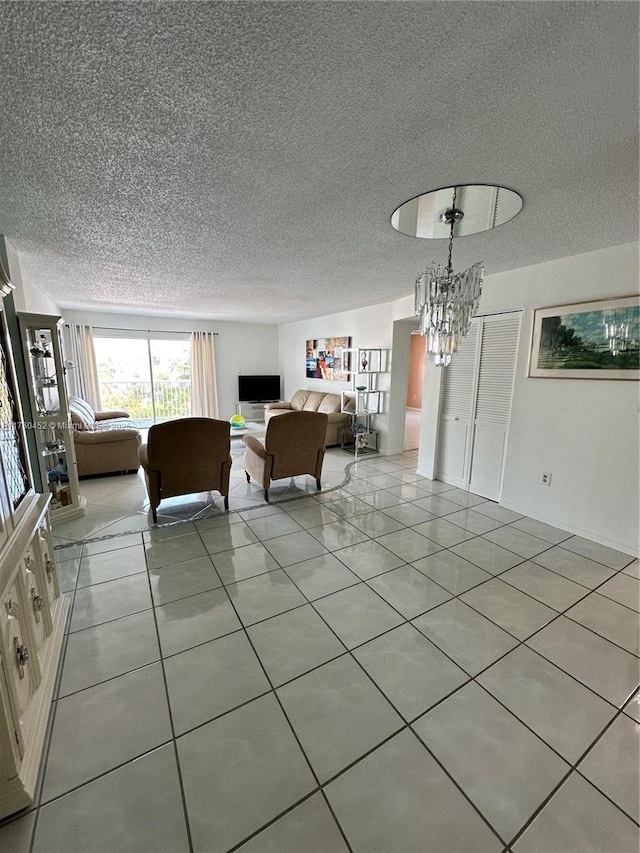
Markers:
point(415, 381)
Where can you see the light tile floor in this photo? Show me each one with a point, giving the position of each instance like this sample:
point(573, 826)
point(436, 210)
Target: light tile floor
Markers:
point(388, 665)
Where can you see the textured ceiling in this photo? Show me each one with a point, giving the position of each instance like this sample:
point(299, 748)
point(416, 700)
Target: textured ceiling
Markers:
point(241, 160)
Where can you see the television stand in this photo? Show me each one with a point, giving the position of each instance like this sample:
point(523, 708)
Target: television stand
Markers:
point(251, 411)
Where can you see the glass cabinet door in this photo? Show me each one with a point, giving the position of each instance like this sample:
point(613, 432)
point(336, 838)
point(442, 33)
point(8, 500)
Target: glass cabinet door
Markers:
point(43, 371)
point(15, 479)
point(50, 418)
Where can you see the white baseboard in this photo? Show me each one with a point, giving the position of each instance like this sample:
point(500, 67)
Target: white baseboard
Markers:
point(572, 528)
point(576, 530)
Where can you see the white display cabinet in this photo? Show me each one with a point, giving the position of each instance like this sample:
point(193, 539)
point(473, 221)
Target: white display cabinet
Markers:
point(49, 414)
point(33, 613)
point(363, 367)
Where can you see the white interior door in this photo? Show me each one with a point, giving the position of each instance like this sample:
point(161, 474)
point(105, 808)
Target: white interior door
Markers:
point(496, 373)
point(476, 408)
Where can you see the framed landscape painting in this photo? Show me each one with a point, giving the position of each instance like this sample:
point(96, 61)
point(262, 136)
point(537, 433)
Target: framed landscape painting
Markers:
point(590, 340)
point(326, 359)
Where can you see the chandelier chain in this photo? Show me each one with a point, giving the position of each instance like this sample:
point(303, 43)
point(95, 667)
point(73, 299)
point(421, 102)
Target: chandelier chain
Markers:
point(453, 222)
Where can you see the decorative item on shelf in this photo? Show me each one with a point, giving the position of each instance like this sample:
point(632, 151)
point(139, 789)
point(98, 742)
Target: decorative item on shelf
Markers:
point(53, 443)
point(62, 470)
point(364, 362)
point(446, 301)
point(39, 399)
point(358, 427)
point(361, 441)
point(40, 349)
point(238, 422)
point(53, 478)
point(361, 387)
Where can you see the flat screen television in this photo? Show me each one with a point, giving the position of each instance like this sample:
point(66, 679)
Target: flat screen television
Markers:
point(258, 389)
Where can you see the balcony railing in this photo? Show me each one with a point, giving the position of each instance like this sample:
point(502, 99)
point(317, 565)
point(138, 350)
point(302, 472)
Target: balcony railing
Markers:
point(169, 398)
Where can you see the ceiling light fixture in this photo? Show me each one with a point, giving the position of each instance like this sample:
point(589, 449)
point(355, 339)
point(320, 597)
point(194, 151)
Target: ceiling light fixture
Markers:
point(446, 301)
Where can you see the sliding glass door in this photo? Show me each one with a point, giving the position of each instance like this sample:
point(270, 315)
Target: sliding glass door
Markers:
point(147, 376)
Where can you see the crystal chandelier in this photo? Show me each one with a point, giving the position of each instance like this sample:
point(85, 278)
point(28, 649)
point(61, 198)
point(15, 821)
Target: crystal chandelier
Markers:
point(446, 301)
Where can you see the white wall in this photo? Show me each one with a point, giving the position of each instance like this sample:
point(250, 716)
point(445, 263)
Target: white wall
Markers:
point(367, 327)
point(27, 297)
point(584, 432)
point(239, 347)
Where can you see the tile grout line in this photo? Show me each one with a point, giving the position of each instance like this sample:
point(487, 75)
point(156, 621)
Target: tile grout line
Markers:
point(53, 711)
point(588, 591)
point(369, 677)
point(472, 678)
point(185, 812)
point(448, 591)
point(406, 724)
point(454, 596)
point(286, 716)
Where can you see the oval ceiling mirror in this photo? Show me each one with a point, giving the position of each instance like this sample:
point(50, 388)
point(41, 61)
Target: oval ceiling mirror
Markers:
point(483, 206)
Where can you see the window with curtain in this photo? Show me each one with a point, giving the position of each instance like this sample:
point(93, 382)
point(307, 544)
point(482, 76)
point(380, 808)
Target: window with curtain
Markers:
point(82, 377)
point(146, 374)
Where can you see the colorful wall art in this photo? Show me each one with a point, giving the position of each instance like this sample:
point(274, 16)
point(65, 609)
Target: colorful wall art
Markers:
point(326, 359)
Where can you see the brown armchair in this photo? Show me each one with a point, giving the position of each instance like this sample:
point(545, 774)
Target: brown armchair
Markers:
point(293, 445)
point(185, 456)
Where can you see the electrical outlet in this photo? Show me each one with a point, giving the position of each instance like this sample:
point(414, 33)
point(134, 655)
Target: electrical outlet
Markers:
point(545, 478)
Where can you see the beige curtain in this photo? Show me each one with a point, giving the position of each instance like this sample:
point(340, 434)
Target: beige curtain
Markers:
point(204, 392)
point(83, 379)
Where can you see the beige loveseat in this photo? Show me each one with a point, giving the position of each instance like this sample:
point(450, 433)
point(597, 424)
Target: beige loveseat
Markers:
point(315, 401)
point(105, 442)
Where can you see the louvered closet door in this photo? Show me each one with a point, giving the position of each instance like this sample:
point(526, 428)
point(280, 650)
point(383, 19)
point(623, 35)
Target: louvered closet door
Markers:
point(478, 387)
point(456, 427)
point(498, 352)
